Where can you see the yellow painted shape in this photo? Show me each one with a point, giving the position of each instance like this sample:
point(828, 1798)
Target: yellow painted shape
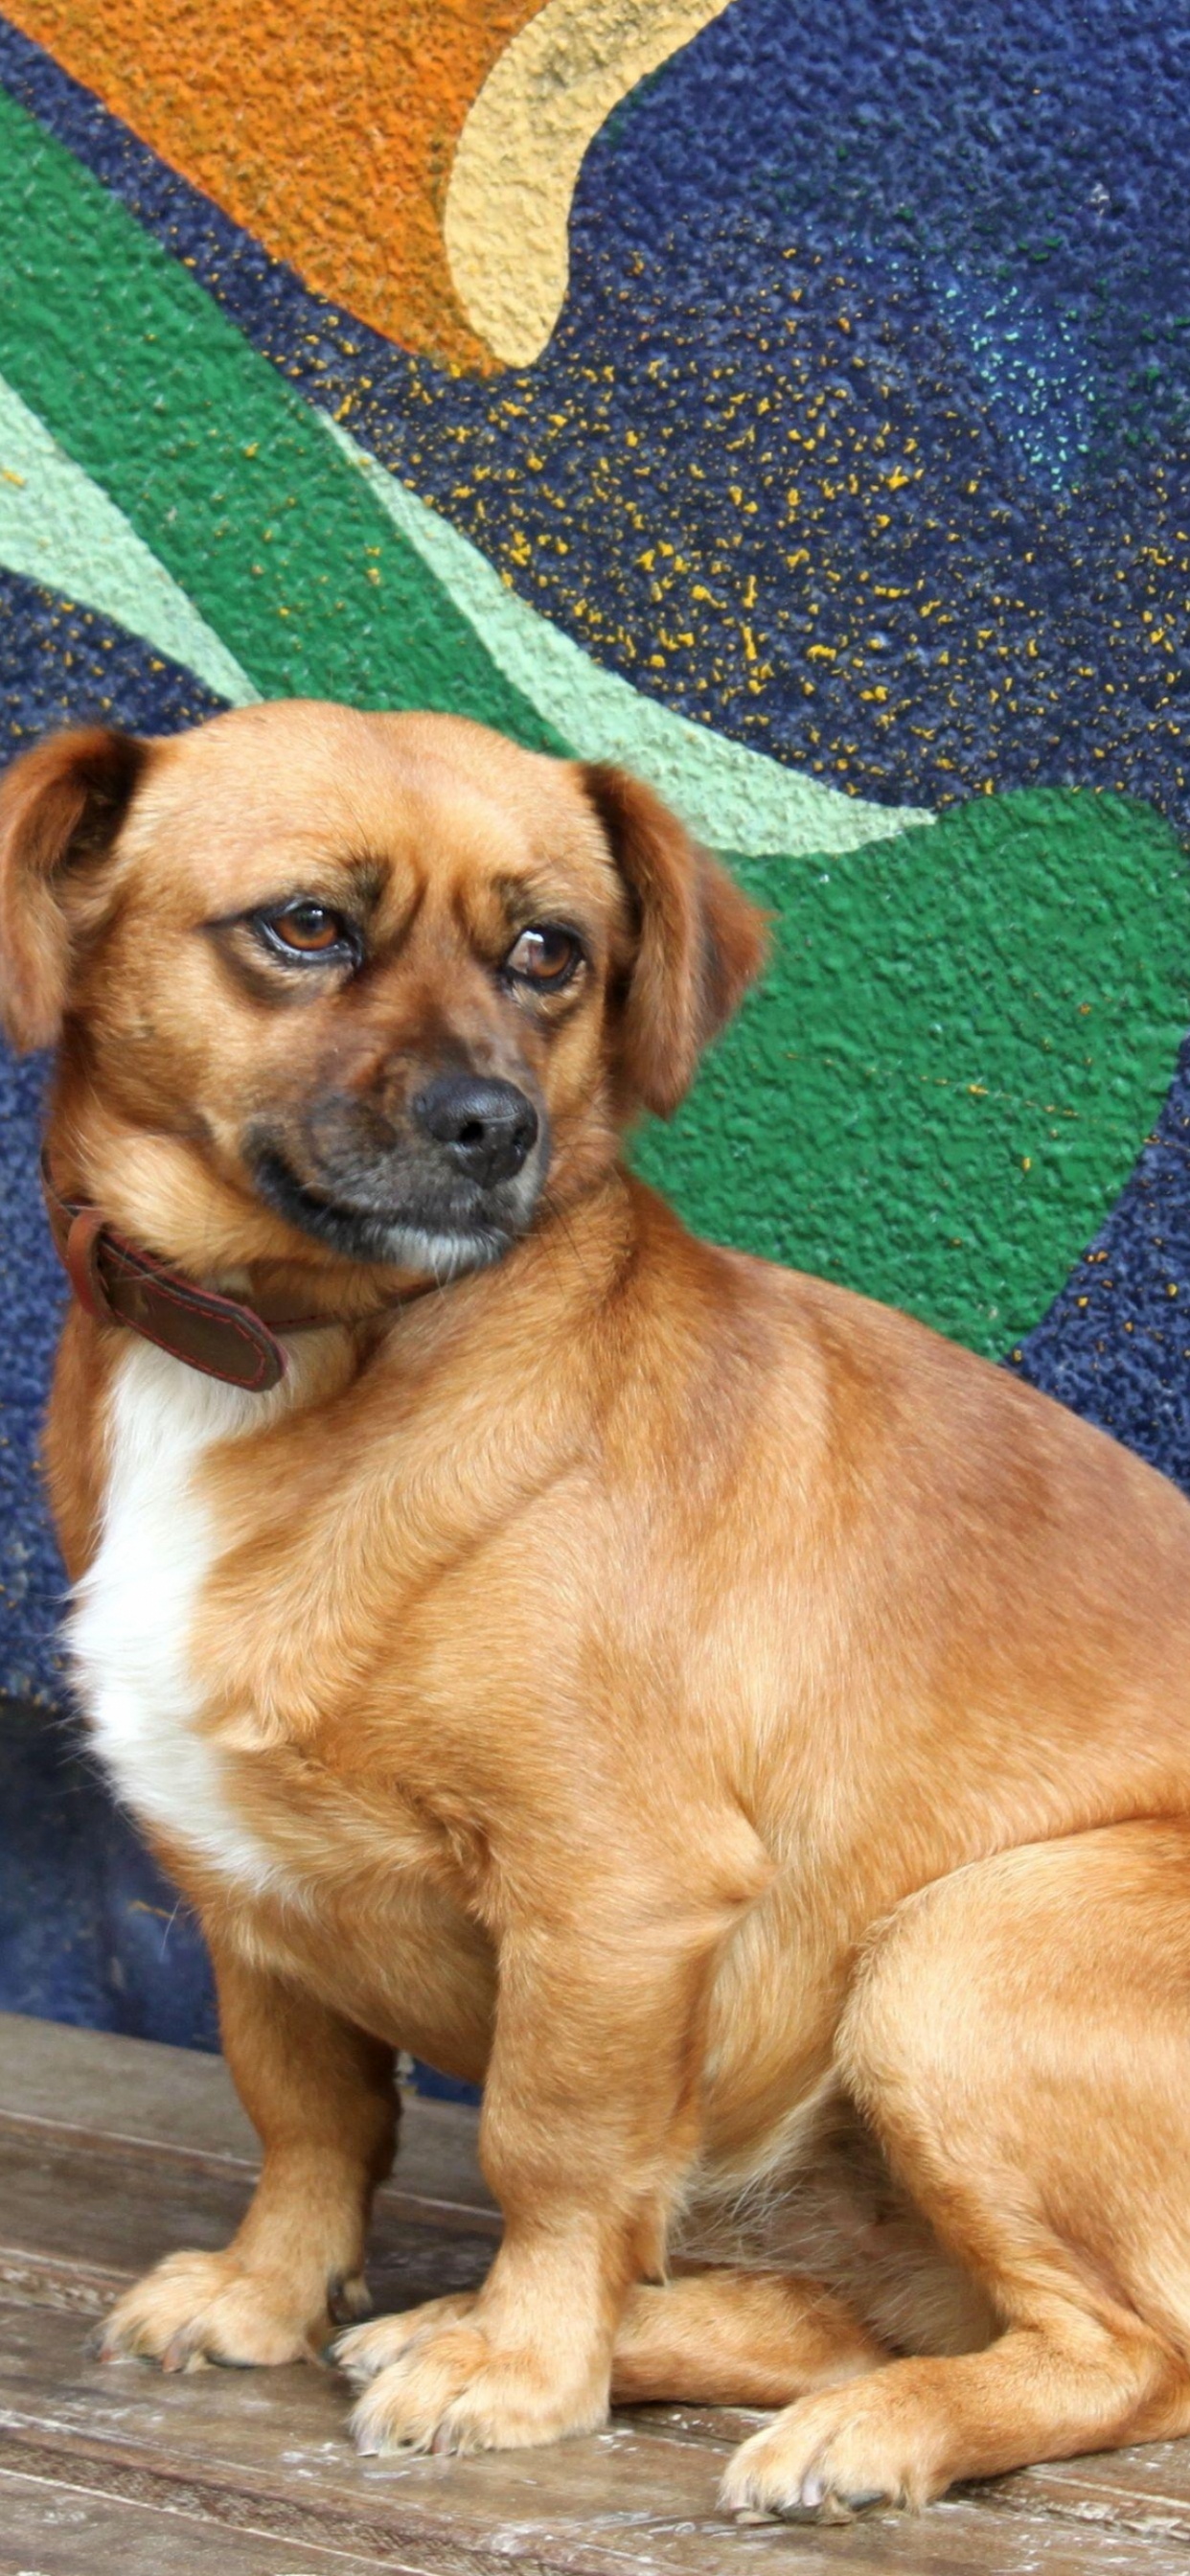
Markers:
point(328, 133)
point(521, 149)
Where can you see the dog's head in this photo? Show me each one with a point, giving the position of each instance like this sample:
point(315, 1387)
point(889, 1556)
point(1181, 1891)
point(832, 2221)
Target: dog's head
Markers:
point(352, 987)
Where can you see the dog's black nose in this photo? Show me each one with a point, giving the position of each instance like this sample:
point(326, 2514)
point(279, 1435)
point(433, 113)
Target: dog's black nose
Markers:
point(486, 1129)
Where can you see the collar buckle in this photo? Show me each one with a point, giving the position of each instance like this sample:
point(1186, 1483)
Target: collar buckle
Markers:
point(80, 1256)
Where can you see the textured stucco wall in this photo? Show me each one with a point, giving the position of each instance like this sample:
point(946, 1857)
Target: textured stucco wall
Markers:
point(794, 403)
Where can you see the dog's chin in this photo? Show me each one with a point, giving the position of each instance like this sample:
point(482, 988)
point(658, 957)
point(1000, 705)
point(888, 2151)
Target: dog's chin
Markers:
point(400, 1239)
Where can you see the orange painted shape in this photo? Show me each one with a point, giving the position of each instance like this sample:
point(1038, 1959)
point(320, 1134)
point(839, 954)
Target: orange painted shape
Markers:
point(327, 132)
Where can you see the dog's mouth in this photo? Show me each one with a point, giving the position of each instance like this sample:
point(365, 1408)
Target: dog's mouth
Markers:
point(442, 1246)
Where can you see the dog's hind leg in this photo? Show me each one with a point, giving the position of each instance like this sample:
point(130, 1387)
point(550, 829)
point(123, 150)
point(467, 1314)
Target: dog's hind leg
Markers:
point(732, 2338)
point(1017, 2039)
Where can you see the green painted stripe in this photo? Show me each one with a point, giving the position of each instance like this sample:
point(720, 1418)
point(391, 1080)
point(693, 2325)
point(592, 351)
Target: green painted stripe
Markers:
point(947, 1074)
point(734, 798)
point(221, 470)
point(58, 528)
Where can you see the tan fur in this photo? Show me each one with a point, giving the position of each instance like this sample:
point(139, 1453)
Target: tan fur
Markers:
point(744, 1732)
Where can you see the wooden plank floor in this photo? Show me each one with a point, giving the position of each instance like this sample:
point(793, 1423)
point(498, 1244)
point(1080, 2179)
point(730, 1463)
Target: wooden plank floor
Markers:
point(114, 2151)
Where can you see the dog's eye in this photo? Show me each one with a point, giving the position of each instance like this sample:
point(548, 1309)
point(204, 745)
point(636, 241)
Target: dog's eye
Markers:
point(307, 929)
point(545, 956)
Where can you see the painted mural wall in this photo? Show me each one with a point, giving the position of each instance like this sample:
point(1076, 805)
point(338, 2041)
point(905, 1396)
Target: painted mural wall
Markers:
point(791, 401)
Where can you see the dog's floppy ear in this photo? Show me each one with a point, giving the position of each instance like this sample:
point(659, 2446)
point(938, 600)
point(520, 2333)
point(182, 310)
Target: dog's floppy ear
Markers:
point(698, 941)
point(60, 809)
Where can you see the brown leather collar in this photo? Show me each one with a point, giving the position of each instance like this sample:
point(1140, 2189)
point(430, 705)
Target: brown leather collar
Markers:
point(119, 1283)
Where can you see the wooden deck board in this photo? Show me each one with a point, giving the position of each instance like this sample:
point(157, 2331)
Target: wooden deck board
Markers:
point(52, 2529)
point(112, 2151)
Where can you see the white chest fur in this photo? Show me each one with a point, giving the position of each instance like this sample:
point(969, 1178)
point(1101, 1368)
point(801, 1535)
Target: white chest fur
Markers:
point(130, 1634)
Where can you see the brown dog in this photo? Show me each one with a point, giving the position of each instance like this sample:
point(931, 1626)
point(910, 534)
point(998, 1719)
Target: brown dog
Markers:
point(747, 1733)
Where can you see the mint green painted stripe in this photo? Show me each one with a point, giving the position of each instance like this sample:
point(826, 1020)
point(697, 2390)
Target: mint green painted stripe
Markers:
point(220, 469)
point(57, 527)
point(732, 797)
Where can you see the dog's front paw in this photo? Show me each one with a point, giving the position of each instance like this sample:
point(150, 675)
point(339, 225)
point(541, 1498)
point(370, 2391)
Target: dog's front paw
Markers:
point(842, 2453)
point(365, 2351)
point(436, 2383)
point(198, 2308)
